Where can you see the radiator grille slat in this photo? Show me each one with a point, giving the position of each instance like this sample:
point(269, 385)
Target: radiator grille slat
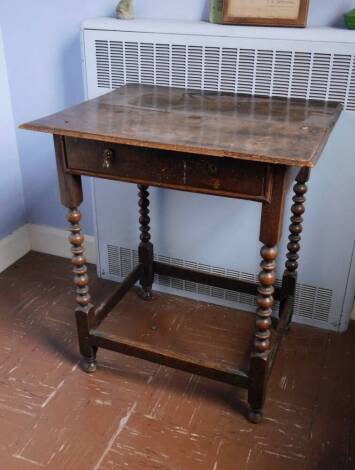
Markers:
point(308, 75)
point(312, 303)
point(282, 64)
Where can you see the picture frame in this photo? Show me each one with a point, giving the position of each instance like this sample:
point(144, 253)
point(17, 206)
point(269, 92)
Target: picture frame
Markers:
point(292, 13)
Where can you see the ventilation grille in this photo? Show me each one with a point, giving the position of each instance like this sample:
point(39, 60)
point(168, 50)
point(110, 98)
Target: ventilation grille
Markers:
point(313, 303)
point(308, 75)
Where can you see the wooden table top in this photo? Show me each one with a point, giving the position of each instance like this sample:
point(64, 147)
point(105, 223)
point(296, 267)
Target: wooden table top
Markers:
point(273, 130)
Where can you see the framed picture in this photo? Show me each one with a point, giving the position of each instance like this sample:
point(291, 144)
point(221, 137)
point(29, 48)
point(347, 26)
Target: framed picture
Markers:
point(266, 12)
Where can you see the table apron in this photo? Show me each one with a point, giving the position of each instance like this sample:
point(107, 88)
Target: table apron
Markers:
point(219, 176)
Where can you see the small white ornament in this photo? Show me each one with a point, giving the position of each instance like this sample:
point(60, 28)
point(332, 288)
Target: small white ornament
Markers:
point(124, 10)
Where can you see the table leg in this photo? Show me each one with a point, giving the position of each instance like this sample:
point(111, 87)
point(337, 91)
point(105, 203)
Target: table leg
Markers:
point(145, 250)
point(84, 311)
point(270, 233)
point(262, 344)
point(71, 197)
point(289, 279)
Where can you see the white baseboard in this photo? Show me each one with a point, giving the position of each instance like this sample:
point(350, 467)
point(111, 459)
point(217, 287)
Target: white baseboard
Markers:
point(13, 247)
point(49, 240)
point(54, 241)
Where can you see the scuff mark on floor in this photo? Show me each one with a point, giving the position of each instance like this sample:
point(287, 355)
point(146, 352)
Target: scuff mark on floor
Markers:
point(121, 425)
point(53, 394)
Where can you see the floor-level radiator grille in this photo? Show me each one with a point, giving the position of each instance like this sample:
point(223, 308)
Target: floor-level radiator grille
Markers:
point(313, 303)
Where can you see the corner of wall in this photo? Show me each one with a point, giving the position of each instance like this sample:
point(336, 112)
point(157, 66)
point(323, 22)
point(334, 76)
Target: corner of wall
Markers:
point(43, 239)
point(13, 247)
point(12, 202)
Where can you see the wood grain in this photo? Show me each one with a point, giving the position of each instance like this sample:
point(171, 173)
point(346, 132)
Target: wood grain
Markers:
point(152, 132)
point(173, 170)
point(272, 130)
point(70, 187)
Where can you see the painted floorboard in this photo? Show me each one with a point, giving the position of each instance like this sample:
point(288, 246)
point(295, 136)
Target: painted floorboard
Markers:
point(135, 415)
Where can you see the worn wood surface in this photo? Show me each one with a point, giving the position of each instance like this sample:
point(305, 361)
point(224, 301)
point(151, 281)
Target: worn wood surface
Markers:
point(182, 333)
point(269, 135)
point(263, 333)
point(166, 169)
point(136, 415)
point(145, 248)
point(273, 130)
point(70, 188)
point(208, 279)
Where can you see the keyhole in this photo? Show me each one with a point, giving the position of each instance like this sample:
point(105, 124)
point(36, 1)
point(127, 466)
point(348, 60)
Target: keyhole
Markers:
point(212, 169)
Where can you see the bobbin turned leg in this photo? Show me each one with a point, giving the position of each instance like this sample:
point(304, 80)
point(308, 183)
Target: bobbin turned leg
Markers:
point(71, 195)
point(262, 345)
point(270, 233)
point(289, 279)
point(84, 311)
point(145, 250)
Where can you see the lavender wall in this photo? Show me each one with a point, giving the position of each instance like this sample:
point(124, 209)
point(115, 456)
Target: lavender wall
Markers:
point(12, 208)
point(42, 49)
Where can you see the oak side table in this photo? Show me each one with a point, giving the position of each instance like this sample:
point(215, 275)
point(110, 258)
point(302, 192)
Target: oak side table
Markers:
point(221, 144)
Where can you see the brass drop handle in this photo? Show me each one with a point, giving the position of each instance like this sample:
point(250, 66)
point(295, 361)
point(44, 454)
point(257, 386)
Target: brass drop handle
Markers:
point(108, 159)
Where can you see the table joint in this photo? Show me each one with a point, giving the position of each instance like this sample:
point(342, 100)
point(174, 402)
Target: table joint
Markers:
point(105, 307)
point(286, 308)
point(214, 371)
point(214, 280)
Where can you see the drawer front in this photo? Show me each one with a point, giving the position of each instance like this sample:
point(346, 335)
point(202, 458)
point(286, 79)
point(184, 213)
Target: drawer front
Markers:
point(174, 170)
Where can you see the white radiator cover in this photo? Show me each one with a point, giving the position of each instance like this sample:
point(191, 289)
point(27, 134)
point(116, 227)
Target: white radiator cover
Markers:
point(315, 63)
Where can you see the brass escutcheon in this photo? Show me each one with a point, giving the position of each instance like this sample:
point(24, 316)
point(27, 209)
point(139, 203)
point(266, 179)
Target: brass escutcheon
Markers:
point(108, 159)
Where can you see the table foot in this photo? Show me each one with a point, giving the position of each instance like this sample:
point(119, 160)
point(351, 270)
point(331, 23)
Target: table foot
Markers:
point(146, 294)
point(255, 416)
point(88, 365)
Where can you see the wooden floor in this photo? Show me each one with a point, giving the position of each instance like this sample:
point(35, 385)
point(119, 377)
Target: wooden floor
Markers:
point(135, 415)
